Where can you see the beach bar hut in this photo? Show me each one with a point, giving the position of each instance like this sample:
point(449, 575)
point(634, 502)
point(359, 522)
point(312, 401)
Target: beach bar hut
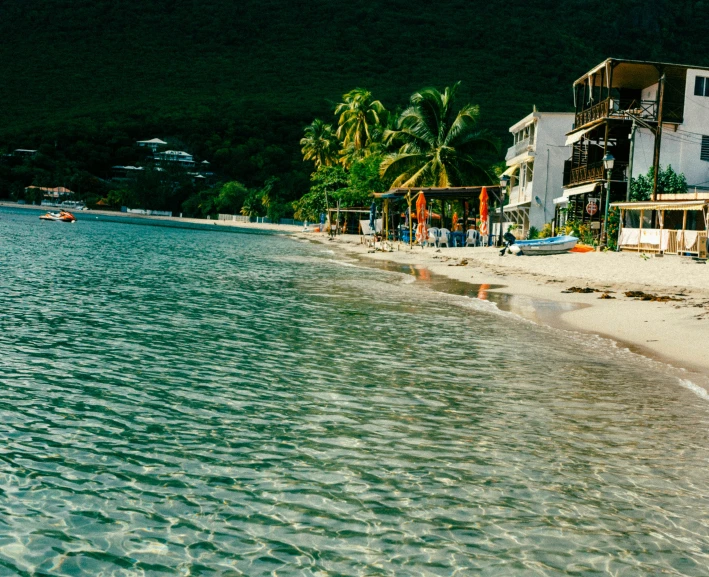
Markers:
point(667, 226)
point(468, 198)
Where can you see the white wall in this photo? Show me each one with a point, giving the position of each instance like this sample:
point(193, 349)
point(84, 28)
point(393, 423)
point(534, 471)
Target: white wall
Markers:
point(550, 152)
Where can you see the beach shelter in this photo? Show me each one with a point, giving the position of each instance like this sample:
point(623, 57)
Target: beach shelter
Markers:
point(421, 229)
point(483, 212)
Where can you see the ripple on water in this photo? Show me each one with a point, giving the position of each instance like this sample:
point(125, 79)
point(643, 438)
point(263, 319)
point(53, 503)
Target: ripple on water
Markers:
point(190, 402)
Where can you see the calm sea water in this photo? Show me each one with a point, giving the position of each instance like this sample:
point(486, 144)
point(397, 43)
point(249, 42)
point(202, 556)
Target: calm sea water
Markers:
point(184, 402)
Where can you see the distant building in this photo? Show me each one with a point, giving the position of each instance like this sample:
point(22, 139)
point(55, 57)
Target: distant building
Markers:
point(153, 144)
point(25, 152)
point(176, 156)
point(535, 165)
point(55, 194)
point(124, 172)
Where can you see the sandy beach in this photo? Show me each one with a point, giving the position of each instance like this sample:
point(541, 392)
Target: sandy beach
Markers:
point(674, 331)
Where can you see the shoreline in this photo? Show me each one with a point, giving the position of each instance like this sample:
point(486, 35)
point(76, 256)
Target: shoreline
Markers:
point(84, 214)
point(675, 332)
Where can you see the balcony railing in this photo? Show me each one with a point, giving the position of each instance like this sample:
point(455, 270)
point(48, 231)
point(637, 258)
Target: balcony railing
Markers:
point(617, 108)
point(520, 194)
point(594, 172)
point(518, 148)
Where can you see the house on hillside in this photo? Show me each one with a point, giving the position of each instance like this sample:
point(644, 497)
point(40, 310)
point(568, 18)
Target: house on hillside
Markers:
point(25, 152)
point(535, 165)
point(153, 144)
point(175, 156)
point(643, 114)
point(119, 172)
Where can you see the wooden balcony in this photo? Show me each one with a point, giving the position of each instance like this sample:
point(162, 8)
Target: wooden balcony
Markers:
point(594, 172)
point(616, 108)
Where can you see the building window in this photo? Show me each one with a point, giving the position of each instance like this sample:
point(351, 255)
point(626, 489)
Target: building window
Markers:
point(704, 154)
point(701, 86)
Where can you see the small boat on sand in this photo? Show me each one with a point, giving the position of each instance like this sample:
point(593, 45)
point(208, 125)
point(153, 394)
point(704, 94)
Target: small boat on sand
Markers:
point(61, 216)
point(553, 245)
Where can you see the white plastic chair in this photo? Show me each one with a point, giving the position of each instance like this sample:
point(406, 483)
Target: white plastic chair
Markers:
point(444, 237)
point(472, 238)
point(432, 236)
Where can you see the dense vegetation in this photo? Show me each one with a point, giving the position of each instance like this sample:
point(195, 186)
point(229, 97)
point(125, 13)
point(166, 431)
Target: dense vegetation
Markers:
point(237, 82)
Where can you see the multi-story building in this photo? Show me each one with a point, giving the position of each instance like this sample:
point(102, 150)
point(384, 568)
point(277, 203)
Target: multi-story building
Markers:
point(659, 111)
point(535, 165)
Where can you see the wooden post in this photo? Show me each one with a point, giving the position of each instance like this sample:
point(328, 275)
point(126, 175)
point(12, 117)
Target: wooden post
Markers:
point(684, 227)
point(640, 233)
point(662, 229)
point(658, 136)
point(620, 229)
point(410, 221)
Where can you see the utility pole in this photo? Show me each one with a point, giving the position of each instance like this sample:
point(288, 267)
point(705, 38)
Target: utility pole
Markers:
point(630, 160)
point(658, 137)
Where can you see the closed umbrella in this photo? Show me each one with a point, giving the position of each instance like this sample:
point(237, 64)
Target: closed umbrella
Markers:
point(421, 229)
point(483, 212)
point(373, 216)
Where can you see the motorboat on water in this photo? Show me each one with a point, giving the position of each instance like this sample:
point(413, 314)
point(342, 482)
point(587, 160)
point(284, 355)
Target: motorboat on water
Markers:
point(553, 245)
point(61, 216)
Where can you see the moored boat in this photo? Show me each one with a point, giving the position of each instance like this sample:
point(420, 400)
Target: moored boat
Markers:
point(553, 245)
point(61, 216)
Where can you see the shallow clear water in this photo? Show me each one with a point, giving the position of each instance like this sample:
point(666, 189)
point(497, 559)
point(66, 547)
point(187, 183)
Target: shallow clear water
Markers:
point(187, 402)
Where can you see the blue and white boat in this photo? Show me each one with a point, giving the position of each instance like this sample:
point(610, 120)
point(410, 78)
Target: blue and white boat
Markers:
point(553, 245)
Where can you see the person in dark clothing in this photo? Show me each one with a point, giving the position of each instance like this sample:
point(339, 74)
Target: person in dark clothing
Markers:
point(509, 239)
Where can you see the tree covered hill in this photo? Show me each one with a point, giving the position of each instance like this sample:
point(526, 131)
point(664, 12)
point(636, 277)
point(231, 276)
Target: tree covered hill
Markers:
point(212, 71)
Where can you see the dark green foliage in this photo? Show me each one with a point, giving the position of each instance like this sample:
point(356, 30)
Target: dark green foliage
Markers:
point(237, 82)
point(668, 181)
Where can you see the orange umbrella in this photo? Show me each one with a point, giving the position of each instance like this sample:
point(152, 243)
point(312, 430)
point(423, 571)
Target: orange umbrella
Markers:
point(421, 230)
point(483, 211)
point(455, 219)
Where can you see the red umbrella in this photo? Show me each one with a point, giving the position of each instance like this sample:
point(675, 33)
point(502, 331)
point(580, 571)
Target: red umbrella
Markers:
point(483, 211)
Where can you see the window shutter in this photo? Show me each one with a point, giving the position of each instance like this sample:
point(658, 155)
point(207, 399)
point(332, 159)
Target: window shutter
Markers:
point(704, 154)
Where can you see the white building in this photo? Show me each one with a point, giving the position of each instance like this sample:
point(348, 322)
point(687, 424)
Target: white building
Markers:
point(177, 156)
point(535, 165)
point(153, 144)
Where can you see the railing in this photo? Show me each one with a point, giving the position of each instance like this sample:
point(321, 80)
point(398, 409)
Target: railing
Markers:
point(519, 194)
point(595, 171)
point(518, 148)
point(617, 108)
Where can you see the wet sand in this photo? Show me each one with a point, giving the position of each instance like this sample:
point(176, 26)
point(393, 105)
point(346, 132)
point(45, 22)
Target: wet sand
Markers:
point(676, 331)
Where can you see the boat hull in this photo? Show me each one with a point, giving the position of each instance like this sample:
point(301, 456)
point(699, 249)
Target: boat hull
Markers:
point(544, 246)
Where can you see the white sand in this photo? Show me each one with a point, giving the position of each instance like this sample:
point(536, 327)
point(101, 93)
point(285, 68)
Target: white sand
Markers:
point(675, 332)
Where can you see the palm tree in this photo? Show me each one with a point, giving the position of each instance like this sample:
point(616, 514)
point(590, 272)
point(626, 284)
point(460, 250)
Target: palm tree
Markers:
point(320, 144)
point(357, 116)
point(437, 146)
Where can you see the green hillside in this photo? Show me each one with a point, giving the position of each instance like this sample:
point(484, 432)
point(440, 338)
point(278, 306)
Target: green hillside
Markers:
point(88, 77)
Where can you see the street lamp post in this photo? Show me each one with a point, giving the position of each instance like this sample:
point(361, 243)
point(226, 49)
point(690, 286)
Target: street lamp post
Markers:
point(608, 162)
point(504, 181)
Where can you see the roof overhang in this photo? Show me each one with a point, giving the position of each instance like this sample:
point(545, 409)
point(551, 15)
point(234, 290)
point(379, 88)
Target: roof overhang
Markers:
point(667, 205)
point(448, 193)
point(583, 189)
point(634, 73)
